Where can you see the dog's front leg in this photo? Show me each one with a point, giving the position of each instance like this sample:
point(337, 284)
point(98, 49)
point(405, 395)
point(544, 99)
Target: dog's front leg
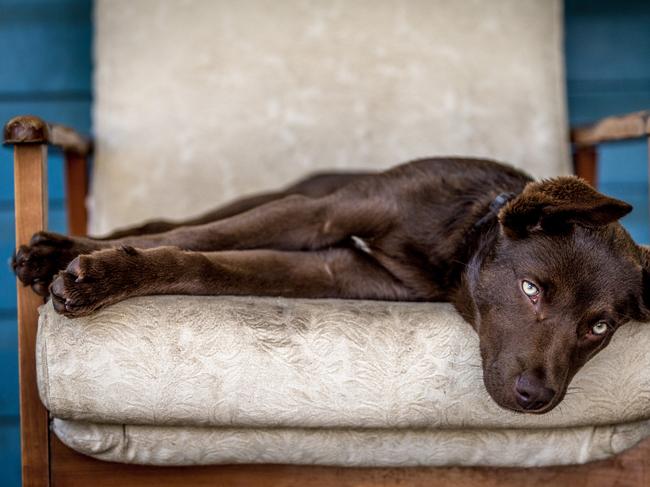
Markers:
point(108, 276)
point(291, 223)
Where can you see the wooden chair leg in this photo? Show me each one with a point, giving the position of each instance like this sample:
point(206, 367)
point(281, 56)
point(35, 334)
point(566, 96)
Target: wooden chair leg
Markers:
point(30, 184)
point(585, 161)
point(76, 180)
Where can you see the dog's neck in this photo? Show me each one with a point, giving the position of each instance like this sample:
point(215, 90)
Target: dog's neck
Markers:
point(493, 210)
point(485, 235)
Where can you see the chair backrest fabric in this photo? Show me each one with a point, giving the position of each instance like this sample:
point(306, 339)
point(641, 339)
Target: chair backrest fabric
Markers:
point(200, 101)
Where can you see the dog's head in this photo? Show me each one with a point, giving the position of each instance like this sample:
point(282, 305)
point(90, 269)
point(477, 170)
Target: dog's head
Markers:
point(562, 278)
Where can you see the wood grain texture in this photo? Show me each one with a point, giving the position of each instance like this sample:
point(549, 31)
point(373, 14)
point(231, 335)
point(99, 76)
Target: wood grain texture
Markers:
point(630, 126)
point(71, 469)
point(76, 188)
point(585, 161)
point(69, 140)
point(30, 185)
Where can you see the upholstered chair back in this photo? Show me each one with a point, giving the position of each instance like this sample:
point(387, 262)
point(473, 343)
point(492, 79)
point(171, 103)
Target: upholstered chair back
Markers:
point(197, 101)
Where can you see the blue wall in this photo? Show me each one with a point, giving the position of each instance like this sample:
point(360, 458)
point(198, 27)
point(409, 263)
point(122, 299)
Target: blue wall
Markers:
point(45, 70)
point(608, 72)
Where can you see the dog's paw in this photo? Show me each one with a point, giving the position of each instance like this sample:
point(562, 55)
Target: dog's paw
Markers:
point(93, 281)
point(37, 263)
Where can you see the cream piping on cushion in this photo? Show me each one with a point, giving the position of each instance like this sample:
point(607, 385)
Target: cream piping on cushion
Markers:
point(168, 445)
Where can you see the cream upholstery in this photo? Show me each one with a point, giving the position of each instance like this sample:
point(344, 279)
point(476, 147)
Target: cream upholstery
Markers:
point(270, 362)
point(169, 445)
point(197, 102)
point(348, 369)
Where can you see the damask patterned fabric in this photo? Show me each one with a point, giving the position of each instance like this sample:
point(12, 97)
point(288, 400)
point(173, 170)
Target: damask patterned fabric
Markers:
point(169, 445)
point(290, 365)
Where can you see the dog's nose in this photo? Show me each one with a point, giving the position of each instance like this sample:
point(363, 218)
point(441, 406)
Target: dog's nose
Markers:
point(531, 393)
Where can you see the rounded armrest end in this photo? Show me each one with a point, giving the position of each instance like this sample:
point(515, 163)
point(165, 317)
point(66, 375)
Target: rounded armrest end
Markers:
point(26, 129)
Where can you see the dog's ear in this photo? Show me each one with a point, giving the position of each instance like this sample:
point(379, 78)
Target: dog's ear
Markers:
point(553, 205)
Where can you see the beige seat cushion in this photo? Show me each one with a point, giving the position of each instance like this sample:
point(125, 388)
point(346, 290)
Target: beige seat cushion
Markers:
point(199, 380)
point(270, 362)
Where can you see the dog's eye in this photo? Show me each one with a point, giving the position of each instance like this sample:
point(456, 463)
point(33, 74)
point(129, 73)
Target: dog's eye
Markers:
point(530, 289)
point(599, 328)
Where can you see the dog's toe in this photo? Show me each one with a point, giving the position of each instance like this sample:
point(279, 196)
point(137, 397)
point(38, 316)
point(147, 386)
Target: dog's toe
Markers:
point(57, 291)
point(88, 282)
point(75, 269)
point(37, 263)
point(72, 294)
point(57, 287)
point(24, 265)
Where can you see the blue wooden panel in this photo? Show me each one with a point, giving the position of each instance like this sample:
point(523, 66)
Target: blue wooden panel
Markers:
point(624, 162)
point(607, 40)
point(608, 69)
point(637, 195)
point(47, 49)
point(10, 449)
point(8, 365)
point(75, 113)
point(586, 106)
point(7, 280)
point(45, 70)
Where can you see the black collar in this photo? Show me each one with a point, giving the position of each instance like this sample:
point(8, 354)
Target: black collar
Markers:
point(496, 205)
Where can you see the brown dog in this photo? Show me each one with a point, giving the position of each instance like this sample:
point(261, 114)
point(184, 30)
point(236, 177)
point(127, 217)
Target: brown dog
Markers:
point(542, 270)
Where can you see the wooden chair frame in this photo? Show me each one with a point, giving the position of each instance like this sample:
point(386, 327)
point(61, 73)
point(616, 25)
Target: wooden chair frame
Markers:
point(47, 462)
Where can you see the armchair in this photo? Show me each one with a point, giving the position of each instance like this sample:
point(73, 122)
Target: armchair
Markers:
point(47, 461)
point(318, 92)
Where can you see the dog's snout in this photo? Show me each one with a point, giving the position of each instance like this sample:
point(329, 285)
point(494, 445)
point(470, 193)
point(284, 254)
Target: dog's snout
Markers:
point(530, 392)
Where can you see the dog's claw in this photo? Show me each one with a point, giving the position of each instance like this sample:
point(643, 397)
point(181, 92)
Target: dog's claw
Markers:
point(58, 287)
point(74, 268)
point(62, 304)
point(59, 305)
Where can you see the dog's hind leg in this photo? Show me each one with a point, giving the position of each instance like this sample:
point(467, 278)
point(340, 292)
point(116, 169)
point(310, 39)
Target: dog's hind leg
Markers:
point(295, 222)
point(314, 186)
point(108, 276)
point(161, 226)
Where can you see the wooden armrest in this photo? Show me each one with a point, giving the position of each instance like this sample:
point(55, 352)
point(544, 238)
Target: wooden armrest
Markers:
point(30, 204)
point(27, 129)
point(630, 126)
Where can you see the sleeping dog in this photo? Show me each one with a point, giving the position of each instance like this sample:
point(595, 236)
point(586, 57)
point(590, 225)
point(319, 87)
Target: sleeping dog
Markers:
point(542, 270)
